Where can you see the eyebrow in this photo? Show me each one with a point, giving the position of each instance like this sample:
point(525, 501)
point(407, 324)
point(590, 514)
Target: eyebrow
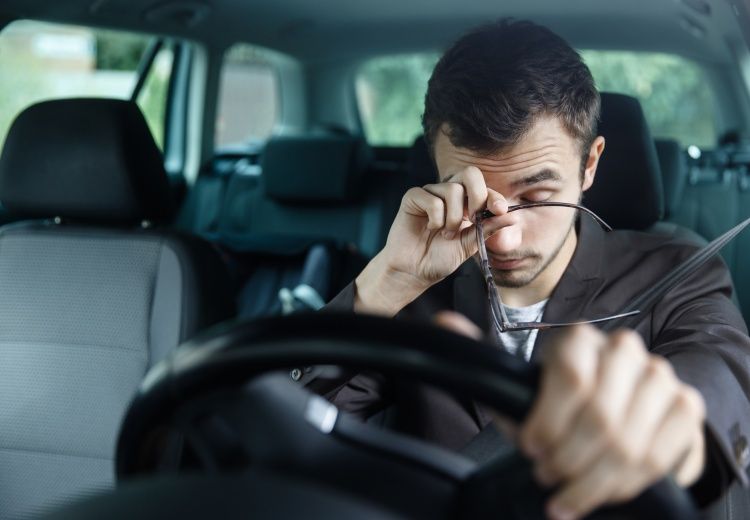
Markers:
point(544, 175)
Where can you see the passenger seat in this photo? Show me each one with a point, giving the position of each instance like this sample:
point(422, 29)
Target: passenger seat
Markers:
point(309, 219)
point(94, 293)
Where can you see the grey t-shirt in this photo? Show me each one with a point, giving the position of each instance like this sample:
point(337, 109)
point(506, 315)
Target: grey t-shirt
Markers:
point(521, 342)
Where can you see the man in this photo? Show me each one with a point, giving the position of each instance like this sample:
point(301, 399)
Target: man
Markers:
point(510, 116)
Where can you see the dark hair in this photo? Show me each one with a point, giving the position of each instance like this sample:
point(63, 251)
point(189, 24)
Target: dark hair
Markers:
point(494, 82)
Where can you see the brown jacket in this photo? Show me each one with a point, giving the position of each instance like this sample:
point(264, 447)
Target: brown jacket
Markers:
point(695, 326)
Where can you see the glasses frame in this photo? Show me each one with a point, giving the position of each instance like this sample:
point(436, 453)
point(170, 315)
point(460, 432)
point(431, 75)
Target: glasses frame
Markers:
point(497, 311)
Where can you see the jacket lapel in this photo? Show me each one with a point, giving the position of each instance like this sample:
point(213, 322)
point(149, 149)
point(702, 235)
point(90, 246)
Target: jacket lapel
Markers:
point(571, 299)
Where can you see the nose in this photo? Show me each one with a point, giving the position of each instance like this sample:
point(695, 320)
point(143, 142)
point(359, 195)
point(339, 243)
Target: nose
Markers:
point(505, 240)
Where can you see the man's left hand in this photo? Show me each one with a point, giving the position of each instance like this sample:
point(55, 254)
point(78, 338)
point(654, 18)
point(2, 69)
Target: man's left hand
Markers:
point(610, 420)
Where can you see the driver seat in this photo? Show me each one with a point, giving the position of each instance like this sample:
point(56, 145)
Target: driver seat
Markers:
point(94, 293)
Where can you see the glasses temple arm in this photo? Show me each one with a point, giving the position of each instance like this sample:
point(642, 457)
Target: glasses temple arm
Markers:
point(496, 305)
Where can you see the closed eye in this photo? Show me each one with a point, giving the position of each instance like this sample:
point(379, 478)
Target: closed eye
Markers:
point(537, 196)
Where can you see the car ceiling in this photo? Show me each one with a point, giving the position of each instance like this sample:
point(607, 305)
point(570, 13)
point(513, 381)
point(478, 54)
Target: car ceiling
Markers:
point(331, 30)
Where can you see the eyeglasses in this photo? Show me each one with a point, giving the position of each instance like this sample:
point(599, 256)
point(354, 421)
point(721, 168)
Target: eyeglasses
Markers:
point(499, 316)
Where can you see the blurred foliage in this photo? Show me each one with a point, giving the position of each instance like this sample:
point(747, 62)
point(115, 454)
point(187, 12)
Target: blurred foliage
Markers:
point(27, 77)
point(17, 91)
point(116, 50)
point(390, 91)
point(153, 96)
point(674, 92)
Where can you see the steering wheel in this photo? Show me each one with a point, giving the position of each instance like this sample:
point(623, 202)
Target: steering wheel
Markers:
point(220, 405)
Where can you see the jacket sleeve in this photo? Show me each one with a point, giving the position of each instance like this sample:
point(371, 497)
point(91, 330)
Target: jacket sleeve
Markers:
point(359, 394)
point(702, 333)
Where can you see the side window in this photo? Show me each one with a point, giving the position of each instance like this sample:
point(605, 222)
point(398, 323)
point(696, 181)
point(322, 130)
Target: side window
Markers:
point(390, 94)
point(674, 92)
point(153, 97)
point(248, 104)
point(40, 61)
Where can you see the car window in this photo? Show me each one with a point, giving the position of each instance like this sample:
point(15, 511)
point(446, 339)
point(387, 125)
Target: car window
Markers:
point(59, 61)
point(248, 103)
point(674, 92)
point(153, 96)
point(390, 95)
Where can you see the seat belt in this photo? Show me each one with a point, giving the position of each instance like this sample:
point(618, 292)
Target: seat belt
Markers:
point(646, 301)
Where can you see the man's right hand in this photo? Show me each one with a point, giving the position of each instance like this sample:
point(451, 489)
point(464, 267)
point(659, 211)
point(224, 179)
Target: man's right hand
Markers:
point(431, 236)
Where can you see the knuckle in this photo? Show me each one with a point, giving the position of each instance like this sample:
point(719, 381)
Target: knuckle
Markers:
point(435, 205)
point(628, 336)
point(473, 173)
point(627, 342)
point(585, 334)
point(659, 367)
point(412, 193)
point(624, 453)
point(578, 385)
point(655, 466)
point(601, 420)
point(696, 400)
point(689, 400)
point(412, 197)
point(455, 189)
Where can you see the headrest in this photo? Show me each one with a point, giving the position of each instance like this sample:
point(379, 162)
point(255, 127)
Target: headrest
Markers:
point(89, 159)
point(627, 192)
point(674, 172)
point(314, 168)
point(421, 169)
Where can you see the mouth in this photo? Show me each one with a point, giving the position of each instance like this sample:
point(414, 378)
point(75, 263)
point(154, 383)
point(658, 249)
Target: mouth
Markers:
point(507, 265)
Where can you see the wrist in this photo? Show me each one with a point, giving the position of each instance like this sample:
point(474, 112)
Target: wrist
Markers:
point(384, 291)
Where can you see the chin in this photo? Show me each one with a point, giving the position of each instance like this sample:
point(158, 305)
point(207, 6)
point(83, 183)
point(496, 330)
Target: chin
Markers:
point(516, 278)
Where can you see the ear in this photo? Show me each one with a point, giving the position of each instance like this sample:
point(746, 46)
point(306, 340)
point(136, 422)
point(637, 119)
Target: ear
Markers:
point(592, 161)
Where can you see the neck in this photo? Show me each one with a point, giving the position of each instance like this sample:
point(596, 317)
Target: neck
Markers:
point(542, 286)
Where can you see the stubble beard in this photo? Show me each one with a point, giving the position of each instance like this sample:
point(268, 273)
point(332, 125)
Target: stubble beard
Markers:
point(514, 279)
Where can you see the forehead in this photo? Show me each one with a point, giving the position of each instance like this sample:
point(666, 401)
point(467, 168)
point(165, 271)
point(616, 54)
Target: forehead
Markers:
point(547, 145)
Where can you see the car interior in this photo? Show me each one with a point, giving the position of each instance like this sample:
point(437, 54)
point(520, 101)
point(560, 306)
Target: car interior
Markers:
point(184, 182)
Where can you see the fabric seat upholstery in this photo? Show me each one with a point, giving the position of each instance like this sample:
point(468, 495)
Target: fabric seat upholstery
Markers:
point(94, 293)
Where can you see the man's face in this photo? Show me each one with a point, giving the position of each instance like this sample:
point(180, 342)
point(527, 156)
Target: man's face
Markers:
point(545, 165)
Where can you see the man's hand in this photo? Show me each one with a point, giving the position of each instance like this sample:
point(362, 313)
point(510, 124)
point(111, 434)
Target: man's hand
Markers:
point(431, 236)
point(610, 420)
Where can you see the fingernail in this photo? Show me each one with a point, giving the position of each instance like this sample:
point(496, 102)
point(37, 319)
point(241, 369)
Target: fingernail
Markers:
point(560, 512)
point(498, 205)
